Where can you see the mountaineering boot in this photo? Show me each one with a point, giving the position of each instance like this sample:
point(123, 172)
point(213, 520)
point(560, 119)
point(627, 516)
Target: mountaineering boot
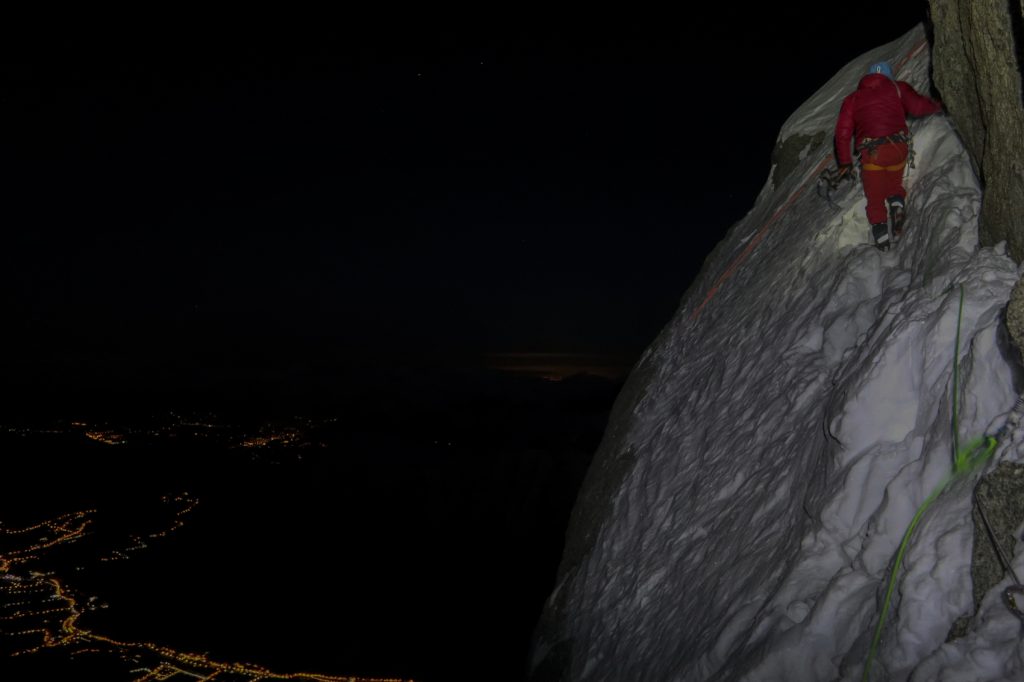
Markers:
point(880, 233)
point(896, 215)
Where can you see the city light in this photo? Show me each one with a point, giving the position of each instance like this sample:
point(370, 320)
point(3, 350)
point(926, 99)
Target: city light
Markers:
point(40, 611)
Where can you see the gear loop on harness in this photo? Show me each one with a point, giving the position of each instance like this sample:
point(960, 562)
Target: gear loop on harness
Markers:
point(870, 143)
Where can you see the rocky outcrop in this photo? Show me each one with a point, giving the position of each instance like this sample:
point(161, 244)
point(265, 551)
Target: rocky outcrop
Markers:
point(977, 56)
point(997, 515)
point(1015, 319)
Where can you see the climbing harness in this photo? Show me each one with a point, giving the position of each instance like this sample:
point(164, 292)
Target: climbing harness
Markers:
point(869, 144)
point(830, 178)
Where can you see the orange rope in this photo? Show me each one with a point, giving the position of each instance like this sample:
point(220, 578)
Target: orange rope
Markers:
point(756, 240)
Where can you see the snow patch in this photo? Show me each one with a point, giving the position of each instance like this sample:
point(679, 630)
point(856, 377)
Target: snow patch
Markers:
point(794, 416)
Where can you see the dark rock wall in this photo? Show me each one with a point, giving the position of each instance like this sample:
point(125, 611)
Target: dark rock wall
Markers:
point(976, 57)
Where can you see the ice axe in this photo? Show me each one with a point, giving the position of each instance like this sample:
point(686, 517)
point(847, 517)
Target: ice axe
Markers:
point(828, 183)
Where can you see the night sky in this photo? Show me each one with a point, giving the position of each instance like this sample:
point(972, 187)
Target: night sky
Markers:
point(186, 196)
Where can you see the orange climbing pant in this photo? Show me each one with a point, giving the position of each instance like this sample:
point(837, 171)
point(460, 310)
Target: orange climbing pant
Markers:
point(882, 175)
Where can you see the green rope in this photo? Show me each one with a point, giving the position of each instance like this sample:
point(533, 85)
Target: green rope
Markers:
point(965, 460)
point(892, 580)
point(976, 453)
point(956, 379)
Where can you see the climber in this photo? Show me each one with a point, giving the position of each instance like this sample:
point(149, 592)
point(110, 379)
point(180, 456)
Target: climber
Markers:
point(874, 118)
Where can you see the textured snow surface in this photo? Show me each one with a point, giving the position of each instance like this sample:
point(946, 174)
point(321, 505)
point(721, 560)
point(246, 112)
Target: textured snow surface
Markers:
point(783, 430)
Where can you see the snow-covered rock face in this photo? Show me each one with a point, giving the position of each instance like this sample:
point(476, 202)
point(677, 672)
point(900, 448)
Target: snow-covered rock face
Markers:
point(772, 446)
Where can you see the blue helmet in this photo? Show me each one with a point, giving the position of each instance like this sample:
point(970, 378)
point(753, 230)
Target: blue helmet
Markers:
point(882, 68)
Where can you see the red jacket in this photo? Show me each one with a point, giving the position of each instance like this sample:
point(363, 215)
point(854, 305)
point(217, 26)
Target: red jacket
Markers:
point(877, 108)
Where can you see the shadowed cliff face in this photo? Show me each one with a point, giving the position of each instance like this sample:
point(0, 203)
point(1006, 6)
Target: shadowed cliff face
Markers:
point(977, 70)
